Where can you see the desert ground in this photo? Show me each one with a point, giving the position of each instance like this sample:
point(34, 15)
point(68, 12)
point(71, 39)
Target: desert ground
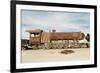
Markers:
point(49, 55)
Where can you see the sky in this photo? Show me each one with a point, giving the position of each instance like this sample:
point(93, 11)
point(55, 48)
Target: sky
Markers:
point(58, 20)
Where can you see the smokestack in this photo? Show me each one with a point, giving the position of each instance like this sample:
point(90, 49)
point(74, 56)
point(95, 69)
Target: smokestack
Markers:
point(53, 30)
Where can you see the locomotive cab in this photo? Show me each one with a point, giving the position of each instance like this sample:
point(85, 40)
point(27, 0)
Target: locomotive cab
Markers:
point(35, 36)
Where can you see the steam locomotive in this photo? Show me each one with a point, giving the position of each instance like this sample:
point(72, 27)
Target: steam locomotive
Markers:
point(40, 39)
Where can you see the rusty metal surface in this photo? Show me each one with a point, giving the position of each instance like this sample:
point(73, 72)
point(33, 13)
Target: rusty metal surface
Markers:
point(34, 40)
point(49, 36)
point(66, 36)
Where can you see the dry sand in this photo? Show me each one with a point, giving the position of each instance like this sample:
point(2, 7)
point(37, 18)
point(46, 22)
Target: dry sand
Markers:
point(48, 55)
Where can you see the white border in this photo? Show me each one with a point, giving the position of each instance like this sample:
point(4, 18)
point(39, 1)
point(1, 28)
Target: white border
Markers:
point(51, 64)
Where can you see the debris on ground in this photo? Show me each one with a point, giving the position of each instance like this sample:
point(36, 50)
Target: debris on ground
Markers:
point(67, 51)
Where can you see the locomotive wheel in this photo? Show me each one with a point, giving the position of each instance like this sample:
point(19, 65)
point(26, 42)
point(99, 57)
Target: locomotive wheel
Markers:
point(23, 48)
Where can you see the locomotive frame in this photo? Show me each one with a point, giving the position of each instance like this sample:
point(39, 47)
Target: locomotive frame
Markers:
point(13, 38)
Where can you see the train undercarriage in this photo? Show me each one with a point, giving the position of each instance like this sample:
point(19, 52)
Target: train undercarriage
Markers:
point(56, 45)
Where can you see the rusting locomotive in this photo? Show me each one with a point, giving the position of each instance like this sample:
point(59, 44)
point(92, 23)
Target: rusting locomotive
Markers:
point(40, 39)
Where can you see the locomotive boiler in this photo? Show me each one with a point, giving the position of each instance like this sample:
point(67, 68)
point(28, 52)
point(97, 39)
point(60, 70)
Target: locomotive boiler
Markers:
point(38, 36)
